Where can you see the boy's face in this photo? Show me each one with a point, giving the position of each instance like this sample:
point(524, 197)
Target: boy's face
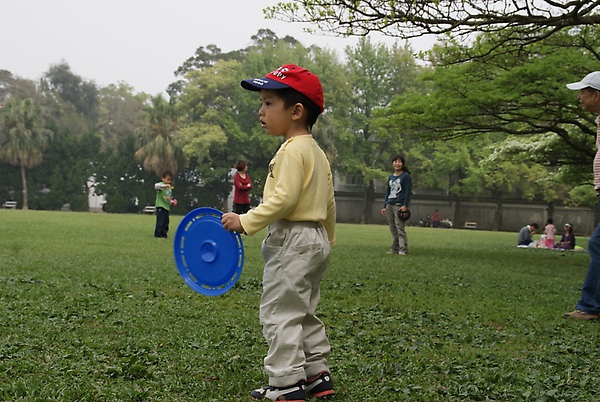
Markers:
point(167, 179)
point(274, 117)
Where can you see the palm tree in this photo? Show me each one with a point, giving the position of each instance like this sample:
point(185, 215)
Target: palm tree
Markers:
point(158, 151)
point(23, 137)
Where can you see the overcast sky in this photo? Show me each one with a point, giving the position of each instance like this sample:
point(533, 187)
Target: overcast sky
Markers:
point(140, 42)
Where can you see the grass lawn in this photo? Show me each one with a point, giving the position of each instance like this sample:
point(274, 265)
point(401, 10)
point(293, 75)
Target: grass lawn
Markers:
point(92, 308)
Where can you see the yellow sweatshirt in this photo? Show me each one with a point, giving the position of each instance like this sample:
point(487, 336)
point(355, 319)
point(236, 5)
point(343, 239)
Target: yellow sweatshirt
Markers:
point(299, 187)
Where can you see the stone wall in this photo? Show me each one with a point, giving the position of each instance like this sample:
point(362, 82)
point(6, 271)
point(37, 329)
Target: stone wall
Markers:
point(516, 213)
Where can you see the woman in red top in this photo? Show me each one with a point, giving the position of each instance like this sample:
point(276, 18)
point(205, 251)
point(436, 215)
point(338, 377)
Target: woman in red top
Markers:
point(243, 185)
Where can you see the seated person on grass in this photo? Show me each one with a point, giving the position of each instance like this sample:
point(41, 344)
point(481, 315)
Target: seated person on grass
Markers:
point(526, 233)
point(567, 241)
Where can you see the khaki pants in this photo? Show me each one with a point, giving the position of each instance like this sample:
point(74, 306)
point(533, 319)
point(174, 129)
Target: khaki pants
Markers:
point(399, 242)
point(296, 256)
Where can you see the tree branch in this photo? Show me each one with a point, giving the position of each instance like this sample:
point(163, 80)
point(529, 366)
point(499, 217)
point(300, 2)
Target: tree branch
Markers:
point(408, 19)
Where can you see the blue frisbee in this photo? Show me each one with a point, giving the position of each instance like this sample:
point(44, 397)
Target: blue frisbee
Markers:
point(209, 258)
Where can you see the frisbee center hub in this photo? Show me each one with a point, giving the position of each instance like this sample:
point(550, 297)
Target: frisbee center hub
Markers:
point(208, 251)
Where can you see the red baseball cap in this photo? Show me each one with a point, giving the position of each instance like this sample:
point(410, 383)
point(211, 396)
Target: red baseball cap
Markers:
point(290, 76)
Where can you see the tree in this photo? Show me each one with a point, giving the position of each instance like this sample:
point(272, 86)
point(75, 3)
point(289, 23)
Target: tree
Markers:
point(119, 113)
point(158, 149)
point(23, 137)
point(553, 178)
point(203, 58)
point(219, 120)
point(375, 75)
point(123, 182)
point(206, 57)
point(210, 137)
point(501, 178)
point(63, 177)
point(444, 166)
point(15, 87)
point(59, 81)
point(514, 24)
point(518, 94)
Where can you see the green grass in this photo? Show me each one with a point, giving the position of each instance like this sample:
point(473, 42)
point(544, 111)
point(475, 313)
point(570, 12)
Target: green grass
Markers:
point(92, 308)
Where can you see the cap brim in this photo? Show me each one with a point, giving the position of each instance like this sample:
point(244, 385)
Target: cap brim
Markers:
point(577, 85)
point(257, 84)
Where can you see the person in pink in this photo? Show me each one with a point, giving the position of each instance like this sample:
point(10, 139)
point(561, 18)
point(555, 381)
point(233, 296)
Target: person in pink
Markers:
point(549, 231)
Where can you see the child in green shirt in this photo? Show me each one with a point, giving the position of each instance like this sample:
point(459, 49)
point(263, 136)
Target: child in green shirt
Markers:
point(164, 198)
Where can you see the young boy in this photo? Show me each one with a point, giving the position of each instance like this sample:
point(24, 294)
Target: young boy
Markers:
point(396, 199)
point(299, 209)
point(164, 197)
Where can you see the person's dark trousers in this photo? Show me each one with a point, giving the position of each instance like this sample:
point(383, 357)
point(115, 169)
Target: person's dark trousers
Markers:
point(241, 209)
point(162, 223)
point(590, 291)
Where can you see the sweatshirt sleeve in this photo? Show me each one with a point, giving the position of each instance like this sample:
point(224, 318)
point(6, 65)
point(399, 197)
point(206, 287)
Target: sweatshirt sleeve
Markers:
point(299, 187)
point(387, 192)
point(280, 197)
point(406, 186)
point(329, 223)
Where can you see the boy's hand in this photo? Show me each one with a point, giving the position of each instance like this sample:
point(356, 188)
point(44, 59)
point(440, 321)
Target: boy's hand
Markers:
point(231, 222)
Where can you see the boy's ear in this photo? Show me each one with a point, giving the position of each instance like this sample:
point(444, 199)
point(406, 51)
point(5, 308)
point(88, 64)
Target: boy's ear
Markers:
point(298, 111)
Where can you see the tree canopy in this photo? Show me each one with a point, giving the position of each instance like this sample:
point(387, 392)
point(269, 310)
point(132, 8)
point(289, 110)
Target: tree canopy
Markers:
point(501, 127)
point(515, 23)
point(521, 94)
point(23, 137)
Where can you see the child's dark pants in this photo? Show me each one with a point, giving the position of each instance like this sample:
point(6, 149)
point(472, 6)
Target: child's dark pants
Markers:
point(162, 222)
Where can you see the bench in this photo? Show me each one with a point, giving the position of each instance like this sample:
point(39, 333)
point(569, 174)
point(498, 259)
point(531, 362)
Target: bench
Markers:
point(470, 225)
point(10, 205)
point(149, 209)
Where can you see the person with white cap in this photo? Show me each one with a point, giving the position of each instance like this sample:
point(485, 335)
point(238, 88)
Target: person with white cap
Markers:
point(567, 241)
point(588, 307)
